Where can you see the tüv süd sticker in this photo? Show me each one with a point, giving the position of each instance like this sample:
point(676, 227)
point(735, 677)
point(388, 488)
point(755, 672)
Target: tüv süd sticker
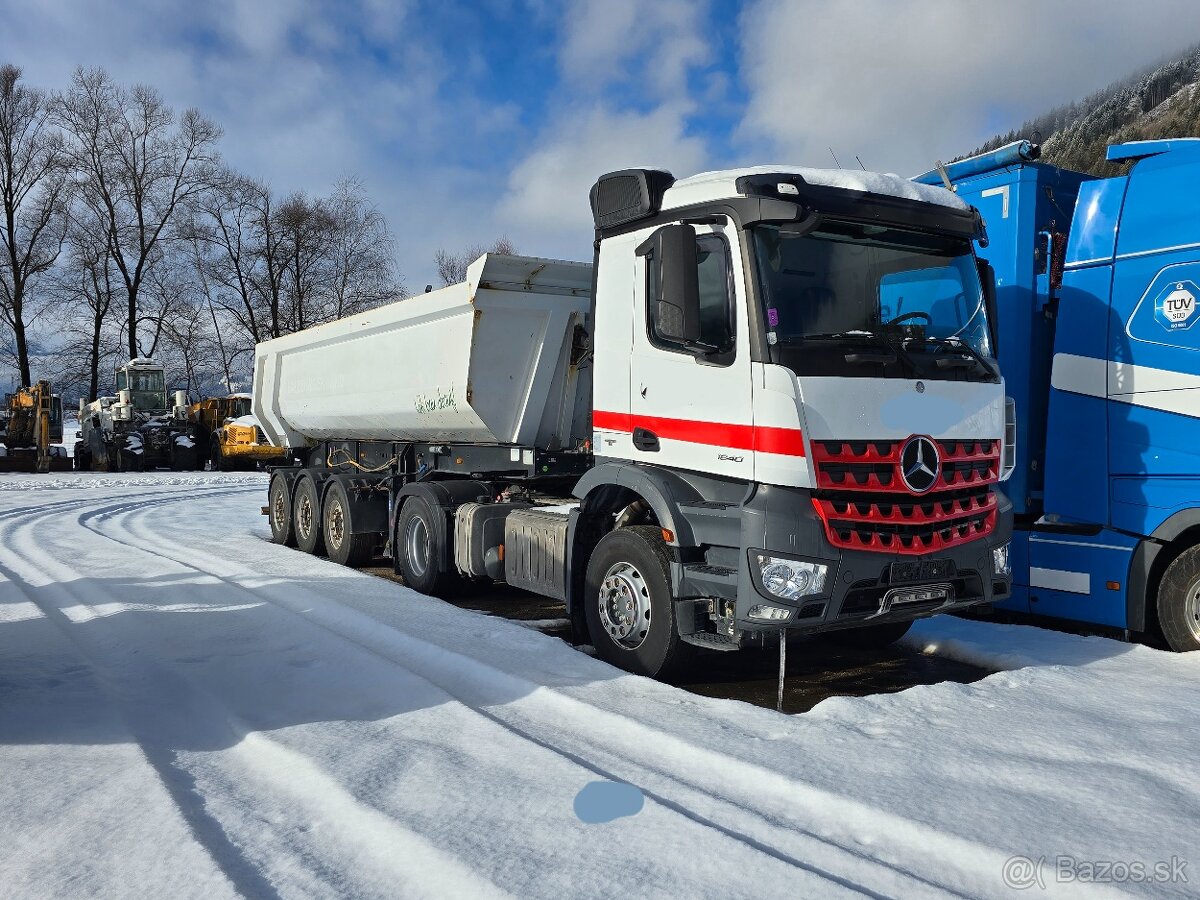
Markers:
point(1175, 307)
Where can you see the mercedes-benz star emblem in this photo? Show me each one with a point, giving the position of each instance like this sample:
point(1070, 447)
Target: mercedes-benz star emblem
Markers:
point(920, 464)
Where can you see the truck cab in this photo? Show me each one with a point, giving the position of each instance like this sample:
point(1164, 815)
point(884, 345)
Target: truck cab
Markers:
point(822, 430)
point(1097, 286)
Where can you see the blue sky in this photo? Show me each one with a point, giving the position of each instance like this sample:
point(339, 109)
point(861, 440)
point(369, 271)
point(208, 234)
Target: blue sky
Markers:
point(468, 120)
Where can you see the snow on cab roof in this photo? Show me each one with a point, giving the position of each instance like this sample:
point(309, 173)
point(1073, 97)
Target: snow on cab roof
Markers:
point(710, 186)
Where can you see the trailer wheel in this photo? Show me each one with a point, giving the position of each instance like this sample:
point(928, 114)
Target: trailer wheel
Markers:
point(306, 516)
point(869, 637)
point(629, 605)
point(1179, 602)
point(342, 545)
point(279, 506)
point(417, 550)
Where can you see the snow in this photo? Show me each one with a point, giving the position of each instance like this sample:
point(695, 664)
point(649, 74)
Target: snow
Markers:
point(246, 420)
point(709, 186)
point(187, 710)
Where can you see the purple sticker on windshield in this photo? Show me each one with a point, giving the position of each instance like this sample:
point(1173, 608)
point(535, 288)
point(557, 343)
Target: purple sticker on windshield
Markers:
point(772, 316)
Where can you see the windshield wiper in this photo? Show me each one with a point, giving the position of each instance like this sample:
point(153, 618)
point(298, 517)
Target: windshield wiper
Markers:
point(976, 358)
point(895, 352)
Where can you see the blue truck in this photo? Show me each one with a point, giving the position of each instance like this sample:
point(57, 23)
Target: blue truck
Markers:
point(1097, 286)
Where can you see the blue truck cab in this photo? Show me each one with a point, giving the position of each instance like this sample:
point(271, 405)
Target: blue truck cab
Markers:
point(1098, 293)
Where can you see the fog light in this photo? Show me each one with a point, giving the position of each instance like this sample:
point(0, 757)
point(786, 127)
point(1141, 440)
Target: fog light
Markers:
point(791, 578)
point(769, 613)
point(1000, 561)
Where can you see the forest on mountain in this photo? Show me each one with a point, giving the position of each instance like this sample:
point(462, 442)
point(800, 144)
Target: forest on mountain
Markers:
point(1159, 102)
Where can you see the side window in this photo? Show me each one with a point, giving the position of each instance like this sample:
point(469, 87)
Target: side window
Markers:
point(715, 280)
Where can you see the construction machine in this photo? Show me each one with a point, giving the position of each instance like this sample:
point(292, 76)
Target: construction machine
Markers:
point(232, 436)
point(30, 427)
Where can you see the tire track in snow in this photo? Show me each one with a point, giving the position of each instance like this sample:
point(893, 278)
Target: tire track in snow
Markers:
point(757, 787)
point(114, 513)
point(399, 849)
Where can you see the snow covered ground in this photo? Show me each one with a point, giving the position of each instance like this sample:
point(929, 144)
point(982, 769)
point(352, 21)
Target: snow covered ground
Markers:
point(187, 710)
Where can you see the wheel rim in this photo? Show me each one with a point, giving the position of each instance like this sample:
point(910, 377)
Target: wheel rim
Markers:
point(416, 545)
point(337, 523)
point(279, 510)
point(625, 605)
point(1192, 610)
point(304, 517)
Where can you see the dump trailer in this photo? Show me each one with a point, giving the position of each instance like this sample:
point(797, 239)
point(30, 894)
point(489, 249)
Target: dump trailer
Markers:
point(30, 428)
point(770, 404)
point(231, 436)
point(138, 428)
point(1098, 292)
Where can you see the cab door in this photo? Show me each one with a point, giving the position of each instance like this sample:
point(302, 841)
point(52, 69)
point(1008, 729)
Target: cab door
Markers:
point(692, 409)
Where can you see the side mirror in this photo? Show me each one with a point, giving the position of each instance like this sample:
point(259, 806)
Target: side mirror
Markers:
point(674, 285)
point(987, 278)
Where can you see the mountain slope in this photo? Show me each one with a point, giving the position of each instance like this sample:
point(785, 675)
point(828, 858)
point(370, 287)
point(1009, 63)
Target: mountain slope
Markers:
point(1155, 103)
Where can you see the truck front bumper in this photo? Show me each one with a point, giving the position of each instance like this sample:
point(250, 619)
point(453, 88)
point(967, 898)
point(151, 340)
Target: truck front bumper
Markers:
point(858, 587)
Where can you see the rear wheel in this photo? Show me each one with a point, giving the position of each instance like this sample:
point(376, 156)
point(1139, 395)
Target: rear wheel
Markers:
point(306, 517)
point(342, 545)
point(629, 606)
point(870, 637)
point(183, 459)
point(1179, 602)
point(128, 461)
point(215, 459)
point(418, 552)
point(279, 508)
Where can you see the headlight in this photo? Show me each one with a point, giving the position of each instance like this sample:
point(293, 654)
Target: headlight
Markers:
point(790, 579)
point(1000, 562)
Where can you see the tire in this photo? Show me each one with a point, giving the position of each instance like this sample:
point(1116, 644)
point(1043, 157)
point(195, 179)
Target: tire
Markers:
point(629, 606)
point(869, 637)
point(279, 506)
point(306, 517)
point(216, 460)
point(183, 459)
point(341, 544)
point(417, 551)
point(128, 462)
point(1179, 602)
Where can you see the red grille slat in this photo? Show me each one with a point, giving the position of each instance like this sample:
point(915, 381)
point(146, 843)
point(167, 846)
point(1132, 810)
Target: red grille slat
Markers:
point(865, 505)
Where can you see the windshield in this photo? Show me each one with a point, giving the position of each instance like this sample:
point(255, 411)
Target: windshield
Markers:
point(851, 281)
point(148, 388)
point(238, 407)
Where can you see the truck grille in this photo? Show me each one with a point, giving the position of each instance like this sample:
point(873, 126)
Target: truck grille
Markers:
point(865, 504)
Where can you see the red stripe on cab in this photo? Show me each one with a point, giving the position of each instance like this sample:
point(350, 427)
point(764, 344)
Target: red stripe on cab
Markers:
point(766, 439)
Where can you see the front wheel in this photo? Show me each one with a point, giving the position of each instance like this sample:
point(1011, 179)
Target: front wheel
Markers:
point(1179, 602)
point(629, 605)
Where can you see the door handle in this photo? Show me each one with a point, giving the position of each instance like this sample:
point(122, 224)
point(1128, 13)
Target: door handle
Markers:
point(646, 440)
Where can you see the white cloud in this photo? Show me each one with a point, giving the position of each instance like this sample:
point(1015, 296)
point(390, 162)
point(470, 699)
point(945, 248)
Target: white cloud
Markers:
point(656, 44)
point(547, 197)
point(905, 82)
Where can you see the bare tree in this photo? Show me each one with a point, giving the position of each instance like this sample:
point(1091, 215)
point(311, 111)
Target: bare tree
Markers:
point(89, 283)
point(363, 271)
point(33, 194)
point(305, 230)
point(136, 165)
point(452, 267)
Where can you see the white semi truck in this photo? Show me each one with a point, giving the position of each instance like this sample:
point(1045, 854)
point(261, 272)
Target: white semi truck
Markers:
point(771, 403)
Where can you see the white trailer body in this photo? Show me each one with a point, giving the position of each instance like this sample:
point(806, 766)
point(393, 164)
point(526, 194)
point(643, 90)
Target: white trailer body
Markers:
point(484, 361)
